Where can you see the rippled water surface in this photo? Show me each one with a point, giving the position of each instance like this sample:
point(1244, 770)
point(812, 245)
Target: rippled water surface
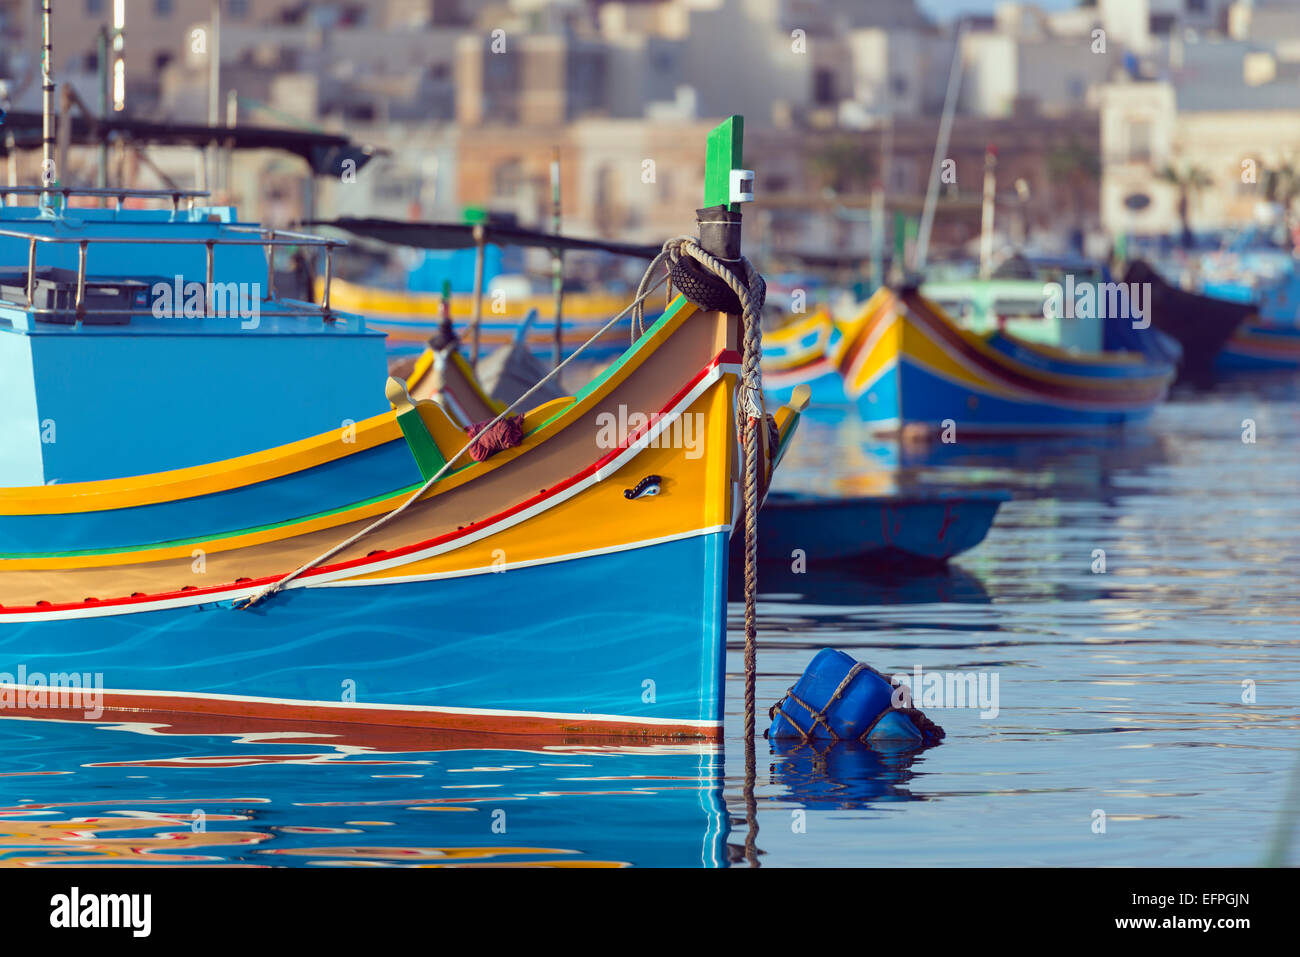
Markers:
point(1119, 692)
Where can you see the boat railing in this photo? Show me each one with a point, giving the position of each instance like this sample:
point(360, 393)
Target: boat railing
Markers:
point(266, 237)
point(120, 196)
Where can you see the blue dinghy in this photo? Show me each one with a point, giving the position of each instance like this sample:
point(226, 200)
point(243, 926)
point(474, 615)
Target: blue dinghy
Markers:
point(925, 527)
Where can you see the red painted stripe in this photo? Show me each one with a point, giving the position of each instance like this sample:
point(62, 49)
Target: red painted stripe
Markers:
point(723, 357)
point(1142, 390)
point(195, 713)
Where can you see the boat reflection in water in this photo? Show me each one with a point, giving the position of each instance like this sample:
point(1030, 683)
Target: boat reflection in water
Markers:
point(861, 584)
point(237, 792)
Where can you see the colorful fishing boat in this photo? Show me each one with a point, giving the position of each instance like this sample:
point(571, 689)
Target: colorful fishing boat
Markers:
point(486, 318)
point(1203, 325)
point(1261, 346)
point(263, 584)
point(1243, 324)
point(902, 361)
point(409, 318)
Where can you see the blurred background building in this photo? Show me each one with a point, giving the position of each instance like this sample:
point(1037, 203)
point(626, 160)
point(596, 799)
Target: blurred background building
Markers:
point(1109, 116)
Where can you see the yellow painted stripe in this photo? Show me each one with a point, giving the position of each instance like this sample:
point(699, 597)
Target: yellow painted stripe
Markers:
point(696, 493)
point(532, 420)
point(198, 480)
point(883, 354)
point(468, 372)
point(374, 302)
point(918, 343)
point(421, 368)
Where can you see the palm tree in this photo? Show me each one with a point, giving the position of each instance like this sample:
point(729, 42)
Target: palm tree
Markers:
point(1075, 165)
point(842, 165)
point(1189, 180)
point(1282, 184)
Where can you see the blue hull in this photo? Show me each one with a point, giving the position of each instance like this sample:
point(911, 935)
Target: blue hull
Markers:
point(931, 399)
point(588, 636)
point(926, 528)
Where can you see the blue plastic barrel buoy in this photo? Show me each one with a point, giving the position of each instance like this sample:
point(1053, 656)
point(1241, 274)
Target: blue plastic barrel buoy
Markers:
point(840, 699)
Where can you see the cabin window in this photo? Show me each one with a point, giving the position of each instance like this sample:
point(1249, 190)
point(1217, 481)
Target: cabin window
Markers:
point(1019, 308)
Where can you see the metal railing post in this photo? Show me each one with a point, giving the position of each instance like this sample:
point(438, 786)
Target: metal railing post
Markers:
point(208, 276)
point(329, 275)
point(31, 272)
point(270, 265)
point(81, 280)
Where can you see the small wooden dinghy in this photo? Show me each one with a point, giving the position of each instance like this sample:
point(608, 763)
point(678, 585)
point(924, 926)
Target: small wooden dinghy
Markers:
point(917, 529)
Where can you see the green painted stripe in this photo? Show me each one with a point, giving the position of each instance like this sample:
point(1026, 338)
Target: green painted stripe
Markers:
point(219, 535)
point(679, 302)
point(428, 457)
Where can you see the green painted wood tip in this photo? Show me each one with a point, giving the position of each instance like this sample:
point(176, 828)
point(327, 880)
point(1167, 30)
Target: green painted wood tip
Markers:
point(725, 153)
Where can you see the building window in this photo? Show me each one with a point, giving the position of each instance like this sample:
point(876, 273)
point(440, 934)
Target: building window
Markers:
point(506, 179)
point(162, 8)
point(94, 7)
point(1161, 24)
point(823, 87)
point(1139, 141)
point(898, 84)
point(1195, 6)
point(238, 9)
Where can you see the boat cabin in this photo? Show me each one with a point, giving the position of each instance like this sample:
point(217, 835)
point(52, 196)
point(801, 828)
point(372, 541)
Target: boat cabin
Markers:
point(173, 313)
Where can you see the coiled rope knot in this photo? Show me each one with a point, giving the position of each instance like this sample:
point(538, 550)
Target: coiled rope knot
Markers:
point(713, 283)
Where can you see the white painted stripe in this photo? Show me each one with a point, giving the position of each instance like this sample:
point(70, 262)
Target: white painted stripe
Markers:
point(998, 387)
point(600, 475)
point(488, 569)
point(319, 579)
point(865, 353)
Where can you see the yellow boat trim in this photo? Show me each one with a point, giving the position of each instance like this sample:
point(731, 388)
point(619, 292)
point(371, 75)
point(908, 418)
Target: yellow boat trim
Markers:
point(197, 480)
point(553, 414)
point(396, 304)
point(695, 494)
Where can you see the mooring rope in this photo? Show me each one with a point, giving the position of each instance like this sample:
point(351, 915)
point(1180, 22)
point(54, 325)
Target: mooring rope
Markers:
point(749, 293)
point(275, 586)
point(670, 253)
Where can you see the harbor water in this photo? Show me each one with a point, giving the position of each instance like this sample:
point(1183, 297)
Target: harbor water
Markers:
point(1136, 601)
